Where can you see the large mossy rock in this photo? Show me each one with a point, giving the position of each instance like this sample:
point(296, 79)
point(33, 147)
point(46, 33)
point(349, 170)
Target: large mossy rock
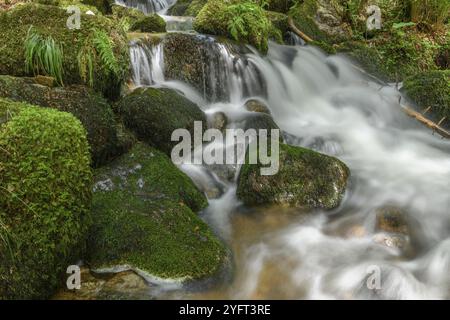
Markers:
point(135, 20)
point(51, 21)
point(45, 197)
point(89, 107)
point(431, 89)
point(306, 179)
point(153, 114)
point(143, 212)
point(243, 21)
point(151, 23)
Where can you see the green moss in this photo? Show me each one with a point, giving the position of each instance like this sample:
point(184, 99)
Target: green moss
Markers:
point(195, 7)
point(305, 17)
point(144, 218)
point(51, 21)
point(242, 21)
point(431, 89)
point(306, 179)
point(187, 7)
point(104, 6)
point(89, 107)
point(153, 114)
point(45, 187)
point(150, 23)
point(394, 55)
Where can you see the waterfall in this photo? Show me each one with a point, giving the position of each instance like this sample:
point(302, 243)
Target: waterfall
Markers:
point(227, 72)
point(147, 63)
point(148, 6)
point(326, 104)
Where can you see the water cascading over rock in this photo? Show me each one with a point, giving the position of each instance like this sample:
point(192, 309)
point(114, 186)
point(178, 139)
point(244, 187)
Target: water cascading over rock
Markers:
point(148, 6)
point(219, 71)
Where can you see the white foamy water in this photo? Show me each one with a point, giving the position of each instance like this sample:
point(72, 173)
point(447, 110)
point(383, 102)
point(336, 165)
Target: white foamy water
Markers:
point(148, 6)
point(326, 104)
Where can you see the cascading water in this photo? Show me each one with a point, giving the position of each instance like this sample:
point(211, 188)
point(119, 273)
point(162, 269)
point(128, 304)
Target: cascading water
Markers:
point(227, 73)
point(148, 6)
point(326, 104)
point(147, 63)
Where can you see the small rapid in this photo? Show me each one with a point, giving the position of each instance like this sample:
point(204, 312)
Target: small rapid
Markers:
point(324, 103)
point(148, 6)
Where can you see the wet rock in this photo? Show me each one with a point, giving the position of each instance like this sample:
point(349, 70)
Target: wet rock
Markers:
point(219, 121)
point(257, 106)
point(306, 179)
point(200, 61)
point(391, 219)
point(153, 114)
point(95, 286)
point(146, 219)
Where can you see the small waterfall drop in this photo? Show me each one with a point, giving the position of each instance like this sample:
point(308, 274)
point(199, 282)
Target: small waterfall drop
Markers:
point(326, 104)
point(148, 6)
point(147, 63)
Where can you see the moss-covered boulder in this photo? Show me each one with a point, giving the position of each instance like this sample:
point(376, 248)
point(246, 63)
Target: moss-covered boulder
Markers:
point(89, 107)
point(45, 195)
point(143, 213)
point(431, 89)
point(306, 179)
point(153, 114)
point(243, 21)
point(99, 40)
point(151, 23)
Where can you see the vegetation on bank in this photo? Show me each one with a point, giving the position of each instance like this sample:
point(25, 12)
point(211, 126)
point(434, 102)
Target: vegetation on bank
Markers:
point(37, 41)
point(45, 188)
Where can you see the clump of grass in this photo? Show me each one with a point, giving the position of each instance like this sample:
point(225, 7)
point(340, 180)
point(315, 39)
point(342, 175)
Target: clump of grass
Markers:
point(43, 55)
point(432, 13)
point(97, 46)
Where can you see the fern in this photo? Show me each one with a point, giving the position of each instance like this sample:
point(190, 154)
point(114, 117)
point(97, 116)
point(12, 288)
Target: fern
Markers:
point(98, 46)
point(247, 21)
point(43, 56)
point(103, 45)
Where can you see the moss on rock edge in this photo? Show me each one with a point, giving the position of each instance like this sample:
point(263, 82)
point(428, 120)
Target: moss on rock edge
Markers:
point(143, 212)
point(431, 89)
point(45, 194)
point(306, 179)
point(153, 114)
point(89, 107)
point(51, 21)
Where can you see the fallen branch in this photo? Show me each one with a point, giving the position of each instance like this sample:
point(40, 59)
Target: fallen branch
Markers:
point(427, 122)
point(297, 31)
